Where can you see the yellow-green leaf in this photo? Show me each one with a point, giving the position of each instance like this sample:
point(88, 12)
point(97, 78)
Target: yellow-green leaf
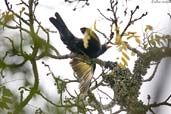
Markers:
point(164, 39)
point(124, 46)
point(158, 41)
point(152, 38)
point(148, 27)
point(125, 34)
point(137, 40)
point(133, 54)
point(129, 37)
point(120, 48)
point(124, 61)
point(157, 36)
point(95, 27)
point(118, 39)
point(117, 29)
point(133, 33)
point(121, 65)
point(125, 55)
point(152, 42)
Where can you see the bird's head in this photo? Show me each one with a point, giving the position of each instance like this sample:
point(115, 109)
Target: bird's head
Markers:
point(89, 31)
point(83, 29)
point(92, 35)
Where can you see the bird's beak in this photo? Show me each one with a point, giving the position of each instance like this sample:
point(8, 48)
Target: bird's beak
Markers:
point(108, 46)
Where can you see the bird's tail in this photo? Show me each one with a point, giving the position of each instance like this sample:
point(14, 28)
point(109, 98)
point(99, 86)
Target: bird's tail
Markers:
point(66, 35)
point(84, 72)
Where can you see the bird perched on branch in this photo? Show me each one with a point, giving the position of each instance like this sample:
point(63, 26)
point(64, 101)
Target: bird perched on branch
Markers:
point(89, 46)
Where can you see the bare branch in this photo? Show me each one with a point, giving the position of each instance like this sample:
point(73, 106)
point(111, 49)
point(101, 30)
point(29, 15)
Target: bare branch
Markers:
point(134, 50)
point(132, 21)
point(119, 111)
point(32, 91)
point(165, 102)
point(104, 15)
point(94, 103)
point(154, 72)
point(169, 15)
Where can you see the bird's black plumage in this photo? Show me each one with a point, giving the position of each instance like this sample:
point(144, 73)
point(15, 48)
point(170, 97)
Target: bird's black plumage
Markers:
point(66, 36)
point(89, 46)
point(76, 45)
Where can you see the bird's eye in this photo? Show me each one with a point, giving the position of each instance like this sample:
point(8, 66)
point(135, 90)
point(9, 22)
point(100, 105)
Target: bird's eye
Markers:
point(83, 30)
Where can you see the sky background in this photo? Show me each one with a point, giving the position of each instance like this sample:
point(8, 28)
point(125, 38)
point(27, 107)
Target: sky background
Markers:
point(157, 17)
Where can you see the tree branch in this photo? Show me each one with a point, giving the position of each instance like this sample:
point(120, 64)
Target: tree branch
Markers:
point(33, 89)
point(131, 21)
point(154, 72)
point(165, 102)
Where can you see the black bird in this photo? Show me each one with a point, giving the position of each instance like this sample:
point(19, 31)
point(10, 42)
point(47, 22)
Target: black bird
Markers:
point(89, 46)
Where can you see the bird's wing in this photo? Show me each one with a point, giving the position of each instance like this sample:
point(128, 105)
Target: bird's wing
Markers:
point(90, 35)
point(66, 36)
point(84, 72)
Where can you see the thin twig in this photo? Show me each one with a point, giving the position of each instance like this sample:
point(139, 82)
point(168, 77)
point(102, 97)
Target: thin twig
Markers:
point(165, 102)
point(154, 72)
point(106, 94)
point(119, 111)
point(169, 15)
point(134, 50)
point(131, 21)
point(103, 15)
point(151, 111)
point(18, 16)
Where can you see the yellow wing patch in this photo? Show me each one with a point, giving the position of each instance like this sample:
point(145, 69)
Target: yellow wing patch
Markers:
point(88, 35)
point(84, 72)
point(86, 39)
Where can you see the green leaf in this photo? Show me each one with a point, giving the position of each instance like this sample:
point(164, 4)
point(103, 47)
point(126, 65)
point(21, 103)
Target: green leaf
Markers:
point(3, 105)
point(9, 113)
point(7, 92)
point(6, 99)
point(7, 17)
point(2, 64)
